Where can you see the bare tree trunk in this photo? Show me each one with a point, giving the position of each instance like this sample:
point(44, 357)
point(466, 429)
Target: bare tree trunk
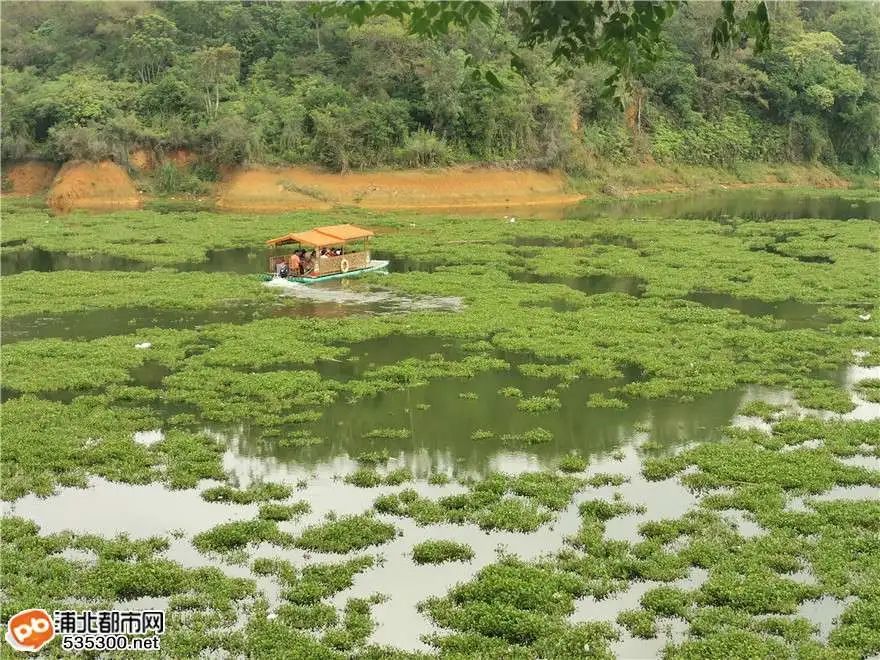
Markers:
point(639, 116)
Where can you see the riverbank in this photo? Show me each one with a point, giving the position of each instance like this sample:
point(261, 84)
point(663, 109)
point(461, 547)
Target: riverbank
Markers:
point(476, 189)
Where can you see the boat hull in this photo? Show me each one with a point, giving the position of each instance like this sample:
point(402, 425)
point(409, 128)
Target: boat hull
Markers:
point(372, 267)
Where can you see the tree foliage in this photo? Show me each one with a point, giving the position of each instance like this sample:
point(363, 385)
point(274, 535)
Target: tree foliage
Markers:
point(374, 84)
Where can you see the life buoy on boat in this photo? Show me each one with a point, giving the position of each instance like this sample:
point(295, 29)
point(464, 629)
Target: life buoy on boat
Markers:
point(343, 265)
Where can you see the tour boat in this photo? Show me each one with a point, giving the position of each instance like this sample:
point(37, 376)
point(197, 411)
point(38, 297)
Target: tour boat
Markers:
point(339, 251)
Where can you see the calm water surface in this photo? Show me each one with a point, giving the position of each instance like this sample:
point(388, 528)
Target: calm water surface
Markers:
point(749, 204)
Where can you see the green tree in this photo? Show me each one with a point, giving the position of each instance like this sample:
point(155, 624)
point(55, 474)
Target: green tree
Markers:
point(150, 46)
point(623, 34)
point(816, 73)
point(214, 72)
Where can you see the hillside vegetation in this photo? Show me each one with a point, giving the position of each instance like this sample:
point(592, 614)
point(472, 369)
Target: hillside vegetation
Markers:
point(273, 83)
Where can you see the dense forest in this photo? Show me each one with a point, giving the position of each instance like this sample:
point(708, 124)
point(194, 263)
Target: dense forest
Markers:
point(267, 82)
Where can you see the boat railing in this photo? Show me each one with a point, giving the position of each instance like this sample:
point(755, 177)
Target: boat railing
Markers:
point(275, 260)
point(327, 265)
point(351, 261)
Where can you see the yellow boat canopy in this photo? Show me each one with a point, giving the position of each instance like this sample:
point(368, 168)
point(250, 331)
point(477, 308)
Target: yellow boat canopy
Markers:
point(323, 236)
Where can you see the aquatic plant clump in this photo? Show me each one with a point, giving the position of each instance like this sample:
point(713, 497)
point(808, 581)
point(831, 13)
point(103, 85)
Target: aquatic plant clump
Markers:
point(607, 479)
point(869, 389)
point(438, 552)
point(279, 512)
point(346, 534)
point(513, 608)
point(304, 624)
point(314, 582)
point(536, 404)
point(602, 401)
point(535, 436)
point(258, 492)
point(522, 503)
point(365, 477)
point(762, 409)
point(573, 463)
point(639, 623)
point(368, 477)
point(237, 535)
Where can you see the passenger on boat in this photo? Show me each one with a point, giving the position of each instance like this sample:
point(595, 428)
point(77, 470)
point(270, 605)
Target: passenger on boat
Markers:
point(295, 264)
point(308, 262)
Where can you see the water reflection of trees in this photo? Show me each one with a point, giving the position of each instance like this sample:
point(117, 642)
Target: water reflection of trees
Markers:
point(440, 435)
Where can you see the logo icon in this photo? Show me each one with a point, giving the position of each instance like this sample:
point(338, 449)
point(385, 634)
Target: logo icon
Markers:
point(30, 630)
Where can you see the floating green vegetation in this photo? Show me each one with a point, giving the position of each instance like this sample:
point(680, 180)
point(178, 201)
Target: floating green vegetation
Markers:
point(840, 438)
point(534, 404)
point(573, 463)
point(823, 395)
point(239, 534)
point(639, 623)
point(482, 434)
point(374, 457)
point(356, 626)
point(304, 625)
point(468, 396)
point(766, 411)
point(71, 291)
point(869, 389)
point(268, 374)
point(438, 552)
point(607, 479)
point(257, 492)
point(48, 365)
point(666, 601)
point(265, 343)
point(270, 398)
point(119, 569)
point(47, 444)
point(365, 477)
point(398, 476)
point(346, 534)
point(603, 510)
point(489, 503)
point(740, 460)
point(368, 477)
point(314, 582)
point(413, 372)
point(515, 609)
point(279, 512)
point(535, 436)
point(599, 400)
point(438, 479)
